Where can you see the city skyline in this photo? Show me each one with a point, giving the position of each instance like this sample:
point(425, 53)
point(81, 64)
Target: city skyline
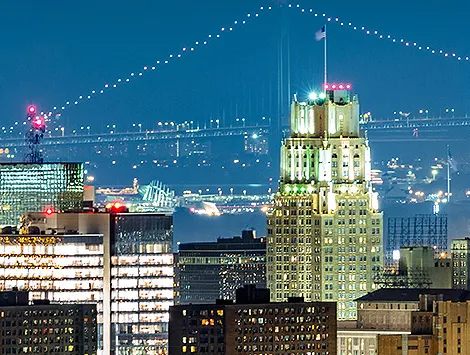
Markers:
point(75, 66)
point(139, 139)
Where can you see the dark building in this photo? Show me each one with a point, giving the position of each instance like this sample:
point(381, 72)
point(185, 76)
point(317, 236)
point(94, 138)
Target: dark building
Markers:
point(206, 272)
point(44, 328)
point(254, 325)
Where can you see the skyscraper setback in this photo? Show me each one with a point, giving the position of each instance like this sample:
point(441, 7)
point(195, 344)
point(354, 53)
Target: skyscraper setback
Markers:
point(325, 231)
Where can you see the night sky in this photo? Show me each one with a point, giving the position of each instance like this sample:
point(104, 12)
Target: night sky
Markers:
point(54, 51)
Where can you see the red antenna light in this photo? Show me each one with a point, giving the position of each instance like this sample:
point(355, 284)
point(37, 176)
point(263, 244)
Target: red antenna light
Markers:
point(348, 86)
point(31, 109)
point(49, 211)
point(38, 123)
point(341, 86)
point(327, 86)
point(333, 86)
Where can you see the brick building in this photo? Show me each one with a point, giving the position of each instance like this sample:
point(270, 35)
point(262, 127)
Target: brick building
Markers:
point(43, 328)
point(254, 325)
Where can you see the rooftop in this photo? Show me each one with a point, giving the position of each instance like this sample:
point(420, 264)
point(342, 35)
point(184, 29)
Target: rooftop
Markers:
point(412, 294)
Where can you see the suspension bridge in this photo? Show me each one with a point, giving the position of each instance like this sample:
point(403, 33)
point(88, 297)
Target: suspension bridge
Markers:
point(401, 129)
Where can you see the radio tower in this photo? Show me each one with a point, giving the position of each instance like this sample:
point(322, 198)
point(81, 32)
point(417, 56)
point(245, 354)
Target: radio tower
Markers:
point(33, 136)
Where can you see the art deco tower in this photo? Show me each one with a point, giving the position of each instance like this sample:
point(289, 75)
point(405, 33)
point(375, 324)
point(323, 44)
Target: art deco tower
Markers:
point(325, 232)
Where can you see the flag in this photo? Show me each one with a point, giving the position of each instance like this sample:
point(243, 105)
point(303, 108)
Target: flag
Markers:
point(452, 163)
point(321, 33)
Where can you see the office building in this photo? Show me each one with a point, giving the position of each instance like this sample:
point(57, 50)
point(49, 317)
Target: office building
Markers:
point(460, 254)
point(121, 261)
point(205, 272)
point(36, 187)
point(324, 239)
point(254, 325)
point(424, 230)
point(44, 328)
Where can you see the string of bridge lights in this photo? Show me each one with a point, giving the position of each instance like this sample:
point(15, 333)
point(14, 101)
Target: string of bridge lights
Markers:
point(161, 62)
point(184, 51)
point(387, 37)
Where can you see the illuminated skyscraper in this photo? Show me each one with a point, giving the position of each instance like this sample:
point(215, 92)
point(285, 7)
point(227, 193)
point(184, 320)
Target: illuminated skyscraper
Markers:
point(325, 232)
point(121, 261)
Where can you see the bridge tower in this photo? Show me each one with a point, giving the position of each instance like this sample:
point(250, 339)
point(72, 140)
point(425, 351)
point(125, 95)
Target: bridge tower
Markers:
point(34, 134)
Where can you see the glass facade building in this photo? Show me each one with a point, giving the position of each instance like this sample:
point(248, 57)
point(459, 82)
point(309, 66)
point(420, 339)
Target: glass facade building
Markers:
point(123, 262)
point(206, 272)
point(35, 187)
point(142, 282)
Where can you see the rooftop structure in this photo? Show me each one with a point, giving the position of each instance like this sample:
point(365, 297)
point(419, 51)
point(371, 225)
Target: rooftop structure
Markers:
point(418, 231)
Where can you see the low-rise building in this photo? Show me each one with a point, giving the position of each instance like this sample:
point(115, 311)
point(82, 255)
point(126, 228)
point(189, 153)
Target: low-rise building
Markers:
point(44, 328)
point(441, 326)
point(390, 309)
point(361, 341)
point(253, 325)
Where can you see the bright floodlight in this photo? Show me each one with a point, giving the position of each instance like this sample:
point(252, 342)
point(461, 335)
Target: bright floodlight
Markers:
point(322, 96)
point(396, 255)
point(312, 96)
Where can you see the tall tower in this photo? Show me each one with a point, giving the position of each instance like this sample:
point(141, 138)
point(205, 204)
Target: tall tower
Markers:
point(325, 239)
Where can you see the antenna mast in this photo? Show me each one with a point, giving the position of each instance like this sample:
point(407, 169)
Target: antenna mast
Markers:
point(33, 136)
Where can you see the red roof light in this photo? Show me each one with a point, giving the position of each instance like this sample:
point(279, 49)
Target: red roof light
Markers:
point(32, 109)
point(49, 211)
point(337, 86)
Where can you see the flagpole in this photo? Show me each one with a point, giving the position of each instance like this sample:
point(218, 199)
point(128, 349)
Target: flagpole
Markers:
point(448, 174)
point(325, 79)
